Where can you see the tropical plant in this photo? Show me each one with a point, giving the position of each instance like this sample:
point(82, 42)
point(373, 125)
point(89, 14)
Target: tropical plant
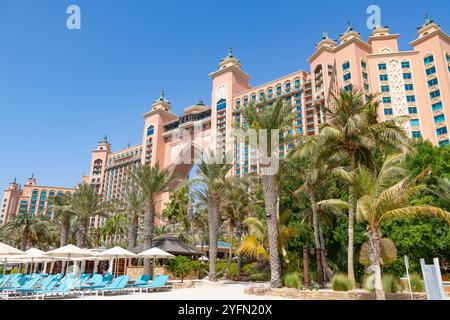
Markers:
point(416, 281)
point(352, 129)
point(387, 198)
point(341, 282)
point(269, 121)
point(115, 227)
point(178, 211)
point(29, 229)
point(391, 284)
point(153, 181)
point(293, 280)
point(85, 204)
point(211, 177)
point(132, 203)
point(63, 215)
point(181, 267)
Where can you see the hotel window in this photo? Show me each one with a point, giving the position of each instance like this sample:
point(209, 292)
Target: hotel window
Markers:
point(245, 101)
point(414, 122)
point(444, 143)
point(447, 56)
point(405, 65)
point(382, 66)
point(347, 77)
point(262, 96)
point(438, 119)
point(348, 87)
point(416, 134)
point(384, 77)
point(411, 98)
point(150, 130)
point(366, 87)
point(287, 85)
point(384, 88)
point(297, 84)
point(428, 60)
point(387, 100)
point(409, 87)
point(279, 91)
point(345, 66)
point(441, 131)
point(432, 82)
point(388, 112)
point(430, 71)
point(221, 105)
point(407, 76)
point(253, 97)
point(435, 94)
point(412, 110)
point(436, 106)
point(365, 75)
point(363, 64)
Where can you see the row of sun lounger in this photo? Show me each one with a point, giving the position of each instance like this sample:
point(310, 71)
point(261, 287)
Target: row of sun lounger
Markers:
point(39, 286)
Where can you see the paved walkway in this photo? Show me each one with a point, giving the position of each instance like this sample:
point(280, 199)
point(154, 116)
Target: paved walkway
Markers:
point(204, 290)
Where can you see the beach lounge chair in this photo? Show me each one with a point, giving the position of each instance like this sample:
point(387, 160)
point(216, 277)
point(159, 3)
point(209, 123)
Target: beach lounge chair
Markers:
point(67, 284)
point(119, 284)
point(27, 285)
point(142, 280)
point(160, 282)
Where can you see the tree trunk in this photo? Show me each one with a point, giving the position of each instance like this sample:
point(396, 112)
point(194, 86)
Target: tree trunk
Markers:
point(351, 222)
point(132, 233)
point(149, 226)
point(65, 226)
point(271, 207)
point(24, 242)
point(230, 256)
point(239, 256)
point(214, 226)
point(312, 198)
point(326, 268)
point(81, 234)
point(374, 258)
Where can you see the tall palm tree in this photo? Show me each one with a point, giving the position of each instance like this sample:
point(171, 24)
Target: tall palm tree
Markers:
point(269, 120)
point(178, 208)
point(442, 190)
point(63, 215)
point(352, 129)
point(29, 229)
point(132, 203)
point(153, 181)
point(211, 177)
point(312, 172)
point(85, 204)
point(115, 226)
point(236, 207)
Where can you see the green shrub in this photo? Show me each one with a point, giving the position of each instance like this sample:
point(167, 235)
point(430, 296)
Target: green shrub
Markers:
point(341, 282)
point(417, 284)
point(181, 267)
point(293, 280)
point(263, 276)
point(391, 283)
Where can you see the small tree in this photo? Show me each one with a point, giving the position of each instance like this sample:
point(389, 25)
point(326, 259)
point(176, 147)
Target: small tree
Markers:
point(181, 267)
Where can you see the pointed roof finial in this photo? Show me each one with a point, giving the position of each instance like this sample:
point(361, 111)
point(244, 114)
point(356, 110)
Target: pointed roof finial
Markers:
point(200, 102)
point(129, 144)
point(427, 19)
point(325, 35)
point(349, 27)
point(32, 177)
point(163, 94)
point(230, 52)
point(15, 180)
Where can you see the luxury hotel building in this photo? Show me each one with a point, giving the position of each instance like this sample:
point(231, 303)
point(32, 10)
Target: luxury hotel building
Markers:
point(31, 198)
point(414, 83)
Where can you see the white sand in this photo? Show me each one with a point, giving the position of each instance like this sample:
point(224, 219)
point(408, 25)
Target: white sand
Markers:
point(204, 290)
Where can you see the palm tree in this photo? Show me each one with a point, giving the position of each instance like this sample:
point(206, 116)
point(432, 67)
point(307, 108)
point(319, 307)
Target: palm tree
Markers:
point(211, 177)
point(442, 190)
point(63, 215)
point(29, 228)
point(132, 203)
point(178, 209)
point(352, 129)
point(268, 120)
point(85, 204)
point(386, 195)
point(115, 226)
point(312, 172)
point(236, 208)
point(152, 181)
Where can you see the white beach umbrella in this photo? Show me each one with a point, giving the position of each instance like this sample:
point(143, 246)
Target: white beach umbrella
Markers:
point(68, 252)
point(203, 259)
point(5, 251)
point(155, 253)
point(31, 255)
point(116, 253)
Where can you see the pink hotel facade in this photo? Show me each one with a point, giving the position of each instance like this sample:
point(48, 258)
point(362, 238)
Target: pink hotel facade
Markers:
point(415, 83)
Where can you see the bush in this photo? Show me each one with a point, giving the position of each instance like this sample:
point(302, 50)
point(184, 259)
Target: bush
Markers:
point(417, 284)
point(181, 267)
point(293, 280)
point(391, 283)
point(341, 282)
point(258, 277)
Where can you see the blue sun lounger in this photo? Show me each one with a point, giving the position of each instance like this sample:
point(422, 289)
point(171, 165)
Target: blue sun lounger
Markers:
point(119, 284)
point(160, 282)
point(142, 280)
point(64, 289)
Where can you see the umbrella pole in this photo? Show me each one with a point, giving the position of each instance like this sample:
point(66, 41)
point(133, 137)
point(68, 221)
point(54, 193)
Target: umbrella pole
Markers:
point(4, 266)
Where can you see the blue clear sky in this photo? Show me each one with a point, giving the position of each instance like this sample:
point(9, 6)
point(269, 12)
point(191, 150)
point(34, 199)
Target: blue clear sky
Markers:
point(61, 90)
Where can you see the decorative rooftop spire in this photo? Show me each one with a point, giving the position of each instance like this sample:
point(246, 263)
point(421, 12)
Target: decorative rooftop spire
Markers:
point(32, 177)
point(349, 27)
point(200, 102)
point(427, 19)
point(325, 35)
point(162, 97)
